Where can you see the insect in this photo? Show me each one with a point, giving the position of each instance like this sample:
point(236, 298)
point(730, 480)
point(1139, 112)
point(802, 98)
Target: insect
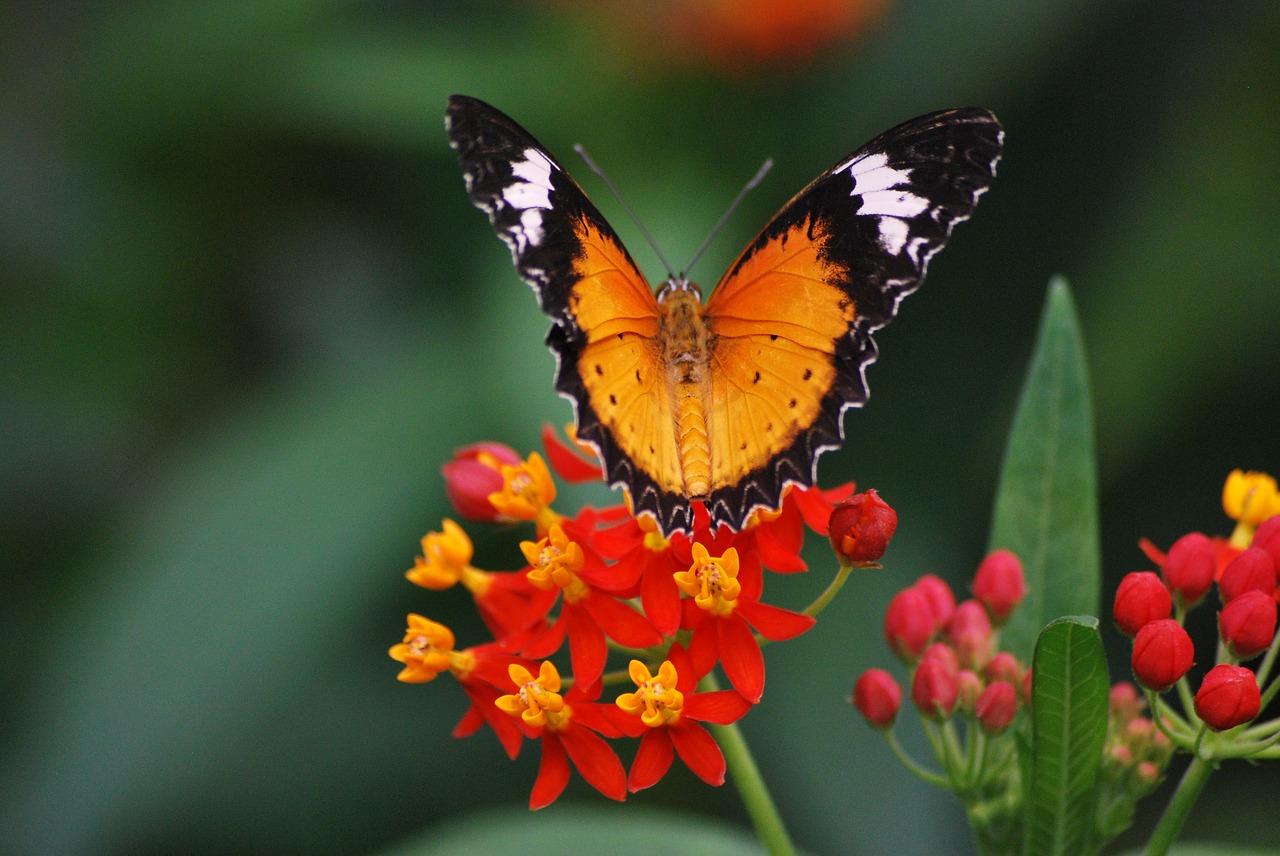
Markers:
point(730, 401)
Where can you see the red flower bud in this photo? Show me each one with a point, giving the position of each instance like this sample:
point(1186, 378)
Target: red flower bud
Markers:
point(473, 474)
point(1248, 624)
point(1004, 667)
point(968, 689)
point(861, 527)
point(1148, 772)
point(945, 653)
point(1125, 702)
point(1000, 585)
point(1228, 696)
point(1162, 653)
point(877, 697)
point(1140, 597)
point(1252, 570)
point(1267, 537)
point(970, 633)
point(997, 706)
point(908, 625)
point(1028, 683)
point(934, 688)
point(1190, 568)
point(941, 600)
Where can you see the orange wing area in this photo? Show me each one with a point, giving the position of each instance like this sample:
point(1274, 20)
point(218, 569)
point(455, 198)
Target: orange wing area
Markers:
point(620, 365)
point(775, 320)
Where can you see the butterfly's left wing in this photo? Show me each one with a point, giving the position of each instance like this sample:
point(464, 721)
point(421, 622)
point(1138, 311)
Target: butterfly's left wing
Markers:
point(791, 321)
point(605, 319)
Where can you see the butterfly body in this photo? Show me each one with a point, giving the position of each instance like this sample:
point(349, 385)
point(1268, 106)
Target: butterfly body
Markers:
point(726, 402)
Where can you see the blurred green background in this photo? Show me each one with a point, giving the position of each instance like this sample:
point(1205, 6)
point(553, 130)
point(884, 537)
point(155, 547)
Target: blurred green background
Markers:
point(247, 311)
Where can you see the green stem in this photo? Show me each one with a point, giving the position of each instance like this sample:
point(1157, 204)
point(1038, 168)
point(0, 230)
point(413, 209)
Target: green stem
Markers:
point(1175, 814)
point(832, 590)
point(750, 784)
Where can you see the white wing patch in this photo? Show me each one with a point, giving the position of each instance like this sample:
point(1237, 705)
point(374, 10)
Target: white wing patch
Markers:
point(528, 193)
point(885, 194)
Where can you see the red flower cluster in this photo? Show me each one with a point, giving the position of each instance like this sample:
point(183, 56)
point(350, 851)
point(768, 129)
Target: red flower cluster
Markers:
point(607, 581)
point(1245, 570)
point(951, 651)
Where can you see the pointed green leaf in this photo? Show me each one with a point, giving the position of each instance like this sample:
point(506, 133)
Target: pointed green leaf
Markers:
point(1068, 729)
point(1046, 506)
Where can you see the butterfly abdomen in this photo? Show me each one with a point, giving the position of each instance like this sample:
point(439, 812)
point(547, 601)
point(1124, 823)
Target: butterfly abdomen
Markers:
point(687, 359)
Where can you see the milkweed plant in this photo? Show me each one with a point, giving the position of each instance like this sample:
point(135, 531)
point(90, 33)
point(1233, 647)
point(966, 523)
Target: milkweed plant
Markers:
point(612, 634)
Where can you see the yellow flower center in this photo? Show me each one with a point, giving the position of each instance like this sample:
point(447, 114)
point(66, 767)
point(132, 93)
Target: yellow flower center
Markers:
point(711, 582)
point(446, 556)
point(1250, 498)
point(527, 490)
point(555, 561)
point(656, 700)
point(536, 700)
point(427, 650)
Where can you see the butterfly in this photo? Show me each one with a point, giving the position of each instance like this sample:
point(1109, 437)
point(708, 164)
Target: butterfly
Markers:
point(731, 401)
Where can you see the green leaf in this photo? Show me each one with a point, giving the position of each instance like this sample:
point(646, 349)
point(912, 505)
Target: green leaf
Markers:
point(1068, 728)
point(1046, 508)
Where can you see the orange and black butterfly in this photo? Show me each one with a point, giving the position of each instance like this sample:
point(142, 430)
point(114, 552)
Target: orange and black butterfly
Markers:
point(730, 401)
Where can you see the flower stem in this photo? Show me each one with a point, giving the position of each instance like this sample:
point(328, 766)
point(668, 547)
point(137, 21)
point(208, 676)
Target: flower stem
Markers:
point(746, 777)
point(1175, 814)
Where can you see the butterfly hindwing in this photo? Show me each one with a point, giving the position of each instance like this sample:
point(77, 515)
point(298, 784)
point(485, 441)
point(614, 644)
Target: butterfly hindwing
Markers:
point(792, 319)
point(605, 317)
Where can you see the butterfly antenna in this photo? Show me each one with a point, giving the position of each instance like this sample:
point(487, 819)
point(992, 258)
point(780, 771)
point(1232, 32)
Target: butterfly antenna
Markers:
point(750, 185)
point(582, 153)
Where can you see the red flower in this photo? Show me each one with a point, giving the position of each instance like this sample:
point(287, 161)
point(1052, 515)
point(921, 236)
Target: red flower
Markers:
point(1162, 653)
point(909, 624)
point(861, 528)
point(1228, 696)
point(1004, 667)
point(721, 613)
point(970, 633)
point(664, 712)
point(587, 614)
point(481, 670)
point(935, 687)
point(877, 697)
point(940, 597)
point(1248, 624)
point(1267, 537)
point(1124, 702)
point(1141, 597)
point(996, 707)
point(1000, 585)
point(474, 473)
point(1252, 570)
point(1190, 568)
point(567, 732)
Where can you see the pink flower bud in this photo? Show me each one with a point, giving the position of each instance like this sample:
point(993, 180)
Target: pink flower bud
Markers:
point(473, 474)
point(908, 625)
point(997, 707)
point(969, 688)
point(1140, 597)
point(1162, 653)
point(861, 528)
point(1000, 585)
point(1190, 568)
point(1228, 696)
point(934, 688)
point(877, 697)
point(945, 653)
point(1125, 703)
point(970, 633)
point(1252, 570)
point(1248, 624)
point(941, 600)
point(1267, 537)
point(1004, 667)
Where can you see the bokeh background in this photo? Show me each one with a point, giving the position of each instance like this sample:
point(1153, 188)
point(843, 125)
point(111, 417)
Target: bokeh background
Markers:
point(246, 311)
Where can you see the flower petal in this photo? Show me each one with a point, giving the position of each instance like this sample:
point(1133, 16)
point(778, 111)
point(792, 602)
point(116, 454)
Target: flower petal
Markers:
point(774, 622)
point(619, 621)
point(596, 761)
point(740, 655)
point(652, 760)
point(721, 707)
point(699, 752)
point(553, 773)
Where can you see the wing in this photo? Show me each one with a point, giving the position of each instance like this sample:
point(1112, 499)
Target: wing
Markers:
point(791, 321)
point(604, 314)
